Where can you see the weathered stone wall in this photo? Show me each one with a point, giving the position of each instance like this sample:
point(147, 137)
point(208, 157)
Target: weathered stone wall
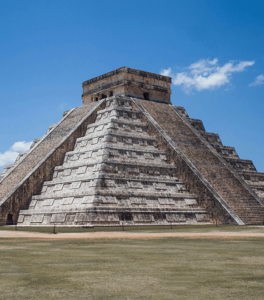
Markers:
point(219, 177)
point(27, 178)
point(126, 81)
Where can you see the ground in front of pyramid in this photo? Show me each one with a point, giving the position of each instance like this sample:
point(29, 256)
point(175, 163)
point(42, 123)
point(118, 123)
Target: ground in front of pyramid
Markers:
point(128, 156)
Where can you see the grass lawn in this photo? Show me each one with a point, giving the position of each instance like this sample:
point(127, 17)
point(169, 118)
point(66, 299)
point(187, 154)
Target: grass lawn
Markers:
point(165, 268)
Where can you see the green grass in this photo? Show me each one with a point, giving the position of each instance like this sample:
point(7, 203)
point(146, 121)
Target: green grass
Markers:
point(167, 268)
point(178, 228)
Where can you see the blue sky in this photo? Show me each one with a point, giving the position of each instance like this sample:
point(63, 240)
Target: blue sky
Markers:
point(212, 49)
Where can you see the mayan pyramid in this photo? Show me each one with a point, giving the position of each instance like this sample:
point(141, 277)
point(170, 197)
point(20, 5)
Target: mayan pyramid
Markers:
point(127, 156)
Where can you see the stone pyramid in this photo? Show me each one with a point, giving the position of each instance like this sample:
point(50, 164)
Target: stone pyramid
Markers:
point(128, 156)
point(114, 173)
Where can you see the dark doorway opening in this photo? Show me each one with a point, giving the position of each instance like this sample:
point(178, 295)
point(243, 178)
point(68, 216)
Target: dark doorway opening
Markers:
point(103, 96)
point(146, 96)
point(159, 216)
point(126, 216)
point(9, 219)
point(111, 94)
point(96, 99)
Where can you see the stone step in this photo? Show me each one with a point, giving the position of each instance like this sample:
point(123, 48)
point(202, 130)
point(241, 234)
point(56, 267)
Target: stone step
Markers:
point(113, 209)
point(73, 203)
point(110, 186)
point(128, 156)
point(116, 127)
point(118, 111)
point(115, 141)
point(117, 147)
point(197, 124)
point(87, 177)
point(116, 193)
point(121, 170)
point(118, 108)
point(104, 217)
point(106, 161)
point(212, 138)
point(227, 152)
point(122, 115)
point(118, 121)
point(111, 132)
point(239, 160)
point(256, 186)
point(253, 173)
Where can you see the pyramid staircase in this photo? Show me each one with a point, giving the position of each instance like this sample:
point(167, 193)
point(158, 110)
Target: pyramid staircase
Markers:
point(115, 174)
point(220, 170)
point(243, 168)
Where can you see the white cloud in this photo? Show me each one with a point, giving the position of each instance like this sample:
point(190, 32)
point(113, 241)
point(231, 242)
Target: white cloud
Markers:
point(20, 146)
point(206, 74)
point(165, 72)
point(259, 80)
point(10, 155)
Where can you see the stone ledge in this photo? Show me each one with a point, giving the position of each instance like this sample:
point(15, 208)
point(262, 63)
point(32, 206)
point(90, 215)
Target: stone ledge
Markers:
point(126, 70)
point(114, 146)
point(119, 121)
point(117, 162)
point(68, 179)
point(122, 193)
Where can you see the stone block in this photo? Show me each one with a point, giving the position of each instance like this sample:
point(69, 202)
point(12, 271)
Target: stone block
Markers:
point(48, 202)
point(37, 218)
point(190, 201)
point(58, 218)
point(143, 218)
point(176, 217)
point(67, 201)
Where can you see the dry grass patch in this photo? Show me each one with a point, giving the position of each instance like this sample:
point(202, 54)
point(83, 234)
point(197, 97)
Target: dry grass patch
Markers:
point(167, 268)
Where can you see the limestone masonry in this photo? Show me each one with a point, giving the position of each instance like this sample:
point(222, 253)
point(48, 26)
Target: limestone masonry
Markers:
point(127, 156)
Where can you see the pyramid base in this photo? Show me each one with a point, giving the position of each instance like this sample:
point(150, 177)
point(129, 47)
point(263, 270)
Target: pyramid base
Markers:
point(113, 218)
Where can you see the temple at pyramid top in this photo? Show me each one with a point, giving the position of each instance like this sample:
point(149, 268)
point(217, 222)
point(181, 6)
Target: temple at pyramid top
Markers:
point(128, 82)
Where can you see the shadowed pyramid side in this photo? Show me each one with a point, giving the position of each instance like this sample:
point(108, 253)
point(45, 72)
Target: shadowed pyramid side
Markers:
point(25, 178)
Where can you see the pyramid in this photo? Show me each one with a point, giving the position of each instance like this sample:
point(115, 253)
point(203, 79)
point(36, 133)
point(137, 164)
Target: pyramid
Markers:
point(127, 156)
